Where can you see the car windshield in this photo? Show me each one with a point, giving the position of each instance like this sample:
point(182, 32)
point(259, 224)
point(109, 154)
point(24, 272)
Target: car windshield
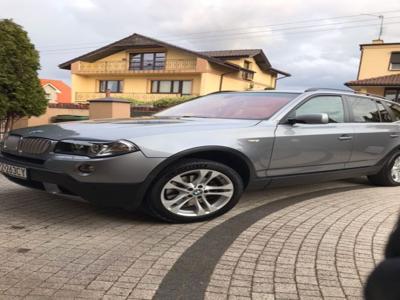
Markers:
point(230, 105)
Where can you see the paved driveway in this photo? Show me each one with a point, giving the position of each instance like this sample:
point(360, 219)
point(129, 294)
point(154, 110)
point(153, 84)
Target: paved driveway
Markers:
point(304, 242)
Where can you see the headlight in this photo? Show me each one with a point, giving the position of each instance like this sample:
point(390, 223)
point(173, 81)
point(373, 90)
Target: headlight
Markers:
point(95, 149)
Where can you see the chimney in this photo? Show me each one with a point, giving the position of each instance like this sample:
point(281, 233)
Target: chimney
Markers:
point(108, 93)
point(109, 108)
point(377, 41)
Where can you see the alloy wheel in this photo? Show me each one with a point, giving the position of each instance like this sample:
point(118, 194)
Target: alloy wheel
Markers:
point(197, 192)
point(396, 170)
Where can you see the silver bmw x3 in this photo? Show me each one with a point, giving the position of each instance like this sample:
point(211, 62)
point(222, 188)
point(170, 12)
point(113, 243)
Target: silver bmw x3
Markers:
point(193, 161)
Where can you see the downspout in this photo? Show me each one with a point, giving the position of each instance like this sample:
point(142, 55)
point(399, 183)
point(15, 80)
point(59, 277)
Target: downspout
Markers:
point(221, 79)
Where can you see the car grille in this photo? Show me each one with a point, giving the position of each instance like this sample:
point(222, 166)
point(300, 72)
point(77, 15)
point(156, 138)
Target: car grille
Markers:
point(34, 146)
point(29, 146)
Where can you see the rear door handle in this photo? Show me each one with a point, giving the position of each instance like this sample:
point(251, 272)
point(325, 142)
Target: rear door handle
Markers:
point(394, 135)
point(345, 137)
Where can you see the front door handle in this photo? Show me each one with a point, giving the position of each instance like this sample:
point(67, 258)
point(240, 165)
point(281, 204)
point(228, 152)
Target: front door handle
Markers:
point(345, 137)
point(394, 135)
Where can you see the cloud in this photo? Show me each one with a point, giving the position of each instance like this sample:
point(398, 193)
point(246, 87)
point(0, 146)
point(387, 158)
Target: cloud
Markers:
point(64, 29)
point(82, 5)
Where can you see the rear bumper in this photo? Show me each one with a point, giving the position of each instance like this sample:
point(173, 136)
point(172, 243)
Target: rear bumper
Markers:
point(125, 195)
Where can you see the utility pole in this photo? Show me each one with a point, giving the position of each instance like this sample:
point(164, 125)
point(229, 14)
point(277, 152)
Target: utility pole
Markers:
point(381, 18)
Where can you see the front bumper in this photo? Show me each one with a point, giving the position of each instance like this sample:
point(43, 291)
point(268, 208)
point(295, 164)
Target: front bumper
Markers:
point(114, 182)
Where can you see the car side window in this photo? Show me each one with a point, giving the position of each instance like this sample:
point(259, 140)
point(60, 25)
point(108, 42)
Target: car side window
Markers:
point(364, 110)
point(395, 108)
point(331, 105)
point(385, 115)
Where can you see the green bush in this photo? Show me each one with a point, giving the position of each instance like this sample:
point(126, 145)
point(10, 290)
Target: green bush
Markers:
point(163, 102)
point(168, 102)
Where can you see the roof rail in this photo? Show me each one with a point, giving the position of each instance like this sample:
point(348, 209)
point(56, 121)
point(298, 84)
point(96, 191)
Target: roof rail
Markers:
point(328, 89)
point(369, 94)
point(347, 91)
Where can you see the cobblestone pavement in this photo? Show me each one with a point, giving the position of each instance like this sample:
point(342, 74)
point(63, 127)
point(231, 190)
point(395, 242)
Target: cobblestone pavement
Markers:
point(322, 247)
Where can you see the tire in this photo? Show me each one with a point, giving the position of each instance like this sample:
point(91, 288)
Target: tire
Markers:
point(193, 190)
point(390, 173)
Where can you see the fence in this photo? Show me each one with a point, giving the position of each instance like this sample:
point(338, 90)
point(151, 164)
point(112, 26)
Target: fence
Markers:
point(53, 110)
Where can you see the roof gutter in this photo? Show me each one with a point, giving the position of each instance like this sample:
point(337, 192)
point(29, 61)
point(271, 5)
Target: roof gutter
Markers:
point(282, 77)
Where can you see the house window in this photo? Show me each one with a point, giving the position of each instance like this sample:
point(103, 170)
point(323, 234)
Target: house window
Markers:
point(394, 61)
point(183, 87)
point(247, 75)
point(393, 94)
point(114, 86)
point(147, 61)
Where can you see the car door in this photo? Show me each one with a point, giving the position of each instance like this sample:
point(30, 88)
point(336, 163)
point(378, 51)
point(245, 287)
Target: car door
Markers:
point(305, 148)
point(375, 133)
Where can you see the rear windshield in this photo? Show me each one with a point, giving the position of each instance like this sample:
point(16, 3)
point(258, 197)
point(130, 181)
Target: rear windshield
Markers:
point(252, 106)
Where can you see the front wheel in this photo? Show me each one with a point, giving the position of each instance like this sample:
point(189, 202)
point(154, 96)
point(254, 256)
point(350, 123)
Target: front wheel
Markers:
point(390, 173)
point(194, 190)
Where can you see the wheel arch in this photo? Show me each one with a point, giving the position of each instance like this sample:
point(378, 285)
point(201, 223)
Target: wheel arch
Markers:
point(228, 156)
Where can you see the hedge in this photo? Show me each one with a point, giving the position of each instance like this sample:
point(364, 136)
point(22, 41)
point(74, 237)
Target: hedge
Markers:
point(163, 102)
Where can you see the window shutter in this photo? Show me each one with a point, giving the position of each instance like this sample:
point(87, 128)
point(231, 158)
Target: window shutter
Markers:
point(395, 58)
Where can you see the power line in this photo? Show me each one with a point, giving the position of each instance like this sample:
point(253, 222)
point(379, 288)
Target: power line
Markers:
point(368, 22)
point(239, 28)
point(310, 31)
point(288, 23)
point(271, 32)
point(296, 33)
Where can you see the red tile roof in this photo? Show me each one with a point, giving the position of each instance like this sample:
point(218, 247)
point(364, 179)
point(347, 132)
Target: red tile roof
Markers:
point(65, 95)
point(388, 80)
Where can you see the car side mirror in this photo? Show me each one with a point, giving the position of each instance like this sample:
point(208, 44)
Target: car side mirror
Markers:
point(309, 119)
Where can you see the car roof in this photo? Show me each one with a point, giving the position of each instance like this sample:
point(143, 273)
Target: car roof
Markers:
point(312, 91)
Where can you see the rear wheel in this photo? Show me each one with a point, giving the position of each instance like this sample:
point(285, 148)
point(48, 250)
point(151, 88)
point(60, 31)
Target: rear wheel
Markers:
point(390, 173)
point(194, 190)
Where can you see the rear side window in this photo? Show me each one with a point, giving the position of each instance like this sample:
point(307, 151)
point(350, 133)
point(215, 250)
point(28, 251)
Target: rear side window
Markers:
point(364, 110)
point(331, 105)
point(395, 108)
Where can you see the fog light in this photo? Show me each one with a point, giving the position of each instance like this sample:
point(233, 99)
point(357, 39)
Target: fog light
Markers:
point(86, 168)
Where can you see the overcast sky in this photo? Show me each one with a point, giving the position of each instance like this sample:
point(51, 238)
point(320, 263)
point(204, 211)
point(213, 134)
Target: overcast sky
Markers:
point(320, 48)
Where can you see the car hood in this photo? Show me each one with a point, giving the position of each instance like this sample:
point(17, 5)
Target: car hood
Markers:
point(129, 128)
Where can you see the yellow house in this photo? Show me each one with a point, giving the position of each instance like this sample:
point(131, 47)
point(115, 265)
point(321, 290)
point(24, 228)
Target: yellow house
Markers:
point(379, 70)
point(143, 68)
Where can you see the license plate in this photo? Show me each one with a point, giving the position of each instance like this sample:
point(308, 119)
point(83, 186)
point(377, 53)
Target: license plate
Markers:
point(13, 171)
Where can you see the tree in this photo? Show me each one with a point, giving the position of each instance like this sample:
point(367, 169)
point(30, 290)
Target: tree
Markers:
point(21, 94)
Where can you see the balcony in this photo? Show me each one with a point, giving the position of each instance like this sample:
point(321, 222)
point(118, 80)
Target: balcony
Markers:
point(123, 67)
point(85, 96)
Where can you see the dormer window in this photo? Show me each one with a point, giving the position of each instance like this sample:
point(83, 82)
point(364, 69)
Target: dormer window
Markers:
point(394, 61)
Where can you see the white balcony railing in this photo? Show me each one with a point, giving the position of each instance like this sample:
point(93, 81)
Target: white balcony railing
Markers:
point(123, 67)
point(85, 96)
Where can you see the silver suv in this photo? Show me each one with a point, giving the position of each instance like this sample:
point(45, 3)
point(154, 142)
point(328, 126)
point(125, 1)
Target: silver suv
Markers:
point(193, 161)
